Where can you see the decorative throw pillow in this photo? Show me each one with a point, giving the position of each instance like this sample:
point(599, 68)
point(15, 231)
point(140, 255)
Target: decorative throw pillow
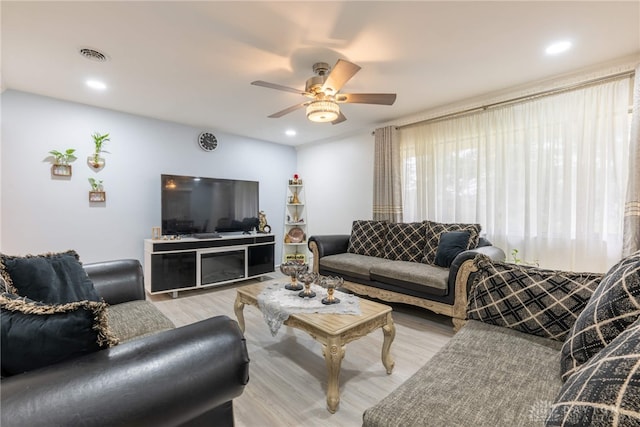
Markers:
point(367, 238)
point(450, 245)
point(529, 299)
point(405, 241)
point(33, 335)
point(604, 392)
point(435, 229)
point(614, 305)
point(54, 278)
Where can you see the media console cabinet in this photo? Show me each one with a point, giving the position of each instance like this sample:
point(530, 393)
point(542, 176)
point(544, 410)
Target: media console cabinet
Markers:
point(189, 263)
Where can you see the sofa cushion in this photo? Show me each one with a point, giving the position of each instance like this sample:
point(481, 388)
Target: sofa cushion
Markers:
point(529, 299)
point(368, 238)
point(405, 241)
point(412, 275)
point(605, 391)
point(354, 265)
point(614, 306)
point(135, 319)
point(484, 376)
point(53, 278)
point(434, 230)
point(34, 334)
point(451, 244)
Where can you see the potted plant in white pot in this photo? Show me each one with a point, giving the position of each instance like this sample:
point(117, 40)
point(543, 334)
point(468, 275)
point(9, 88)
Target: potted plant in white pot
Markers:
point(61, 162)
point(95, 161)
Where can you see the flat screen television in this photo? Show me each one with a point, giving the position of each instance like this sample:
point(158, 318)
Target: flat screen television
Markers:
point(193, 205)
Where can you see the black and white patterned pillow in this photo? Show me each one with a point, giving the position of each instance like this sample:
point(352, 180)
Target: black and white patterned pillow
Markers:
point(405, 241)
point(368, 238)
point(529, 299)
point(614, 305)
point(435, 229)
point(606, 390)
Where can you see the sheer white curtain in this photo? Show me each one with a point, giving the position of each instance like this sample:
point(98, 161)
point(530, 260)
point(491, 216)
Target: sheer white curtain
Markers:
point(546, 177)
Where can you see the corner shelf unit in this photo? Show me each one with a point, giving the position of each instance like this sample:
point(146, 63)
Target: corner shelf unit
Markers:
point(295, 225)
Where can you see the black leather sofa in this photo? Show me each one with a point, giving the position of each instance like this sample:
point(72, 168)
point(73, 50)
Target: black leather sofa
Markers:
point(183, 376)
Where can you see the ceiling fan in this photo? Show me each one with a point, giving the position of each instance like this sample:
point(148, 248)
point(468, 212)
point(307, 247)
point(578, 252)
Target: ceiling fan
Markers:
point(323, 90)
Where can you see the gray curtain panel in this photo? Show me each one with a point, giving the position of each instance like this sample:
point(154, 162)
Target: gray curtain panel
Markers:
point(631, 233)
point(387, 188)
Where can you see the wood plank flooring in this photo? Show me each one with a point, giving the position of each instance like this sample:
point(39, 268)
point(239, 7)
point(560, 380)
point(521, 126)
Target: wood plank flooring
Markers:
point(288, 378)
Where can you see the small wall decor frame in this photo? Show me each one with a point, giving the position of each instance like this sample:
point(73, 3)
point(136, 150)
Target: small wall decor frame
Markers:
point(97, 196)
point(97, 193)
point(61, 170)
point(61, 162)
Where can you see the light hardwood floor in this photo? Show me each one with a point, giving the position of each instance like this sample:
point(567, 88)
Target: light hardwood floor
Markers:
point(288, 377)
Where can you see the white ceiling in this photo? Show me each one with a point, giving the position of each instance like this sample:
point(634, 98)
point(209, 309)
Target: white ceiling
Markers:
point(192, 62)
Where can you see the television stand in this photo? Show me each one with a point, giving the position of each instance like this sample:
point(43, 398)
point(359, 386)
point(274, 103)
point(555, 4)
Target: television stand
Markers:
point(195, 263)
point(206, 235)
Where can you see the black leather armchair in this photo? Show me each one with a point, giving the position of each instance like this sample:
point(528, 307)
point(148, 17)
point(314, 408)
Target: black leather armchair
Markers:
point(186, 376)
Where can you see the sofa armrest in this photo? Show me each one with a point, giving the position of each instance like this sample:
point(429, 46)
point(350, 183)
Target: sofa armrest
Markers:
point(492, 252)
point(117, 281)
point(461, 278)
point(164, 379)
point(321, 246)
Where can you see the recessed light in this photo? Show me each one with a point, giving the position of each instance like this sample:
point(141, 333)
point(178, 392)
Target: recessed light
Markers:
point(96, 84)
point(558, 47)
point(290, 132)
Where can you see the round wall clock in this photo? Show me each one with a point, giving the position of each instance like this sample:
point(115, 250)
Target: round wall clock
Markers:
point(207, 141)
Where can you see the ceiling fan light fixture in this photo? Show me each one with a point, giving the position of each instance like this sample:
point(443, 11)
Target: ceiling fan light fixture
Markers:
point(323, 111)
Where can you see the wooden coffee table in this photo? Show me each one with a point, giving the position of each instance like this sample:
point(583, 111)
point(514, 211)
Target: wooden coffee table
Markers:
point(333, 331)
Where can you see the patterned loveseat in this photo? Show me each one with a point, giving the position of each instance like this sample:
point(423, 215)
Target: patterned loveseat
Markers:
point(412, 263)
point(540, 348)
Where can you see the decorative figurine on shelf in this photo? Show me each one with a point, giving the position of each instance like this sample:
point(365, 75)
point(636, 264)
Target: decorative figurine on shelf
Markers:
point(292, 269)
point(263, 226)
point(331, 283)
point(296, 180)
point(295, 200)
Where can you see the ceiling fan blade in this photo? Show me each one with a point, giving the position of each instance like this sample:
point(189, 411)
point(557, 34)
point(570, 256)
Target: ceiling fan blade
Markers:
point(339, 75)
point(278, 87)
point(367, 98)
point(341, 118)
point(287, 110)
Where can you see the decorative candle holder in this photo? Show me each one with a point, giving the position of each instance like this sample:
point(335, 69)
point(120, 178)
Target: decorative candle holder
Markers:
point(331, 283)
point(307, 279)
point(292, 269)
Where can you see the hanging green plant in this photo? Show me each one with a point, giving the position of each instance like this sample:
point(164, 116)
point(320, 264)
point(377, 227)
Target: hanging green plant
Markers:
point(96, 161)
point(63, 158)
point(96, 184)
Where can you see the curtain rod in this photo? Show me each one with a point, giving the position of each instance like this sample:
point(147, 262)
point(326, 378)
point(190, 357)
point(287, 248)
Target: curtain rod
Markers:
point(541, 94)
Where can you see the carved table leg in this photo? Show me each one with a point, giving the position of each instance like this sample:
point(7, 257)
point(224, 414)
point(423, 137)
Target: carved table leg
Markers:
point(333, 353)
point(238, 307)
point(389, 331)
point(457, 324)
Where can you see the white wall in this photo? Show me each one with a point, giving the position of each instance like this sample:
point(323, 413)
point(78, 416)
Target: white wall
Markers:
point(338, 179)
point(41, 214)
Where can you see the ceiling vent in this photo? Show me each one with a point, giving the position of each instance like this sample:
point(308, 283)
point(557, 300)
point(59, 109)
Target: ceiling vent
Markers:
point(93, 54)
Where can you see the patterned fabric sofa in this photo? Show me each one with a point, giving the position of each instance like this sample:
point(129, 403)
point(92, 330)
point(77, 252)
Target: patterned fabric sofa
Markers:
point(412, 263)
point(541, 348)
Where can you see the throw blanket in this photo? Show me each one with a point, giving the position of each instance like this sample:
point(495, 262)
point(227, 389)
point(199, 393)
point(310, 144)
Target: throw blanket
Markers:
point(277, 303)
